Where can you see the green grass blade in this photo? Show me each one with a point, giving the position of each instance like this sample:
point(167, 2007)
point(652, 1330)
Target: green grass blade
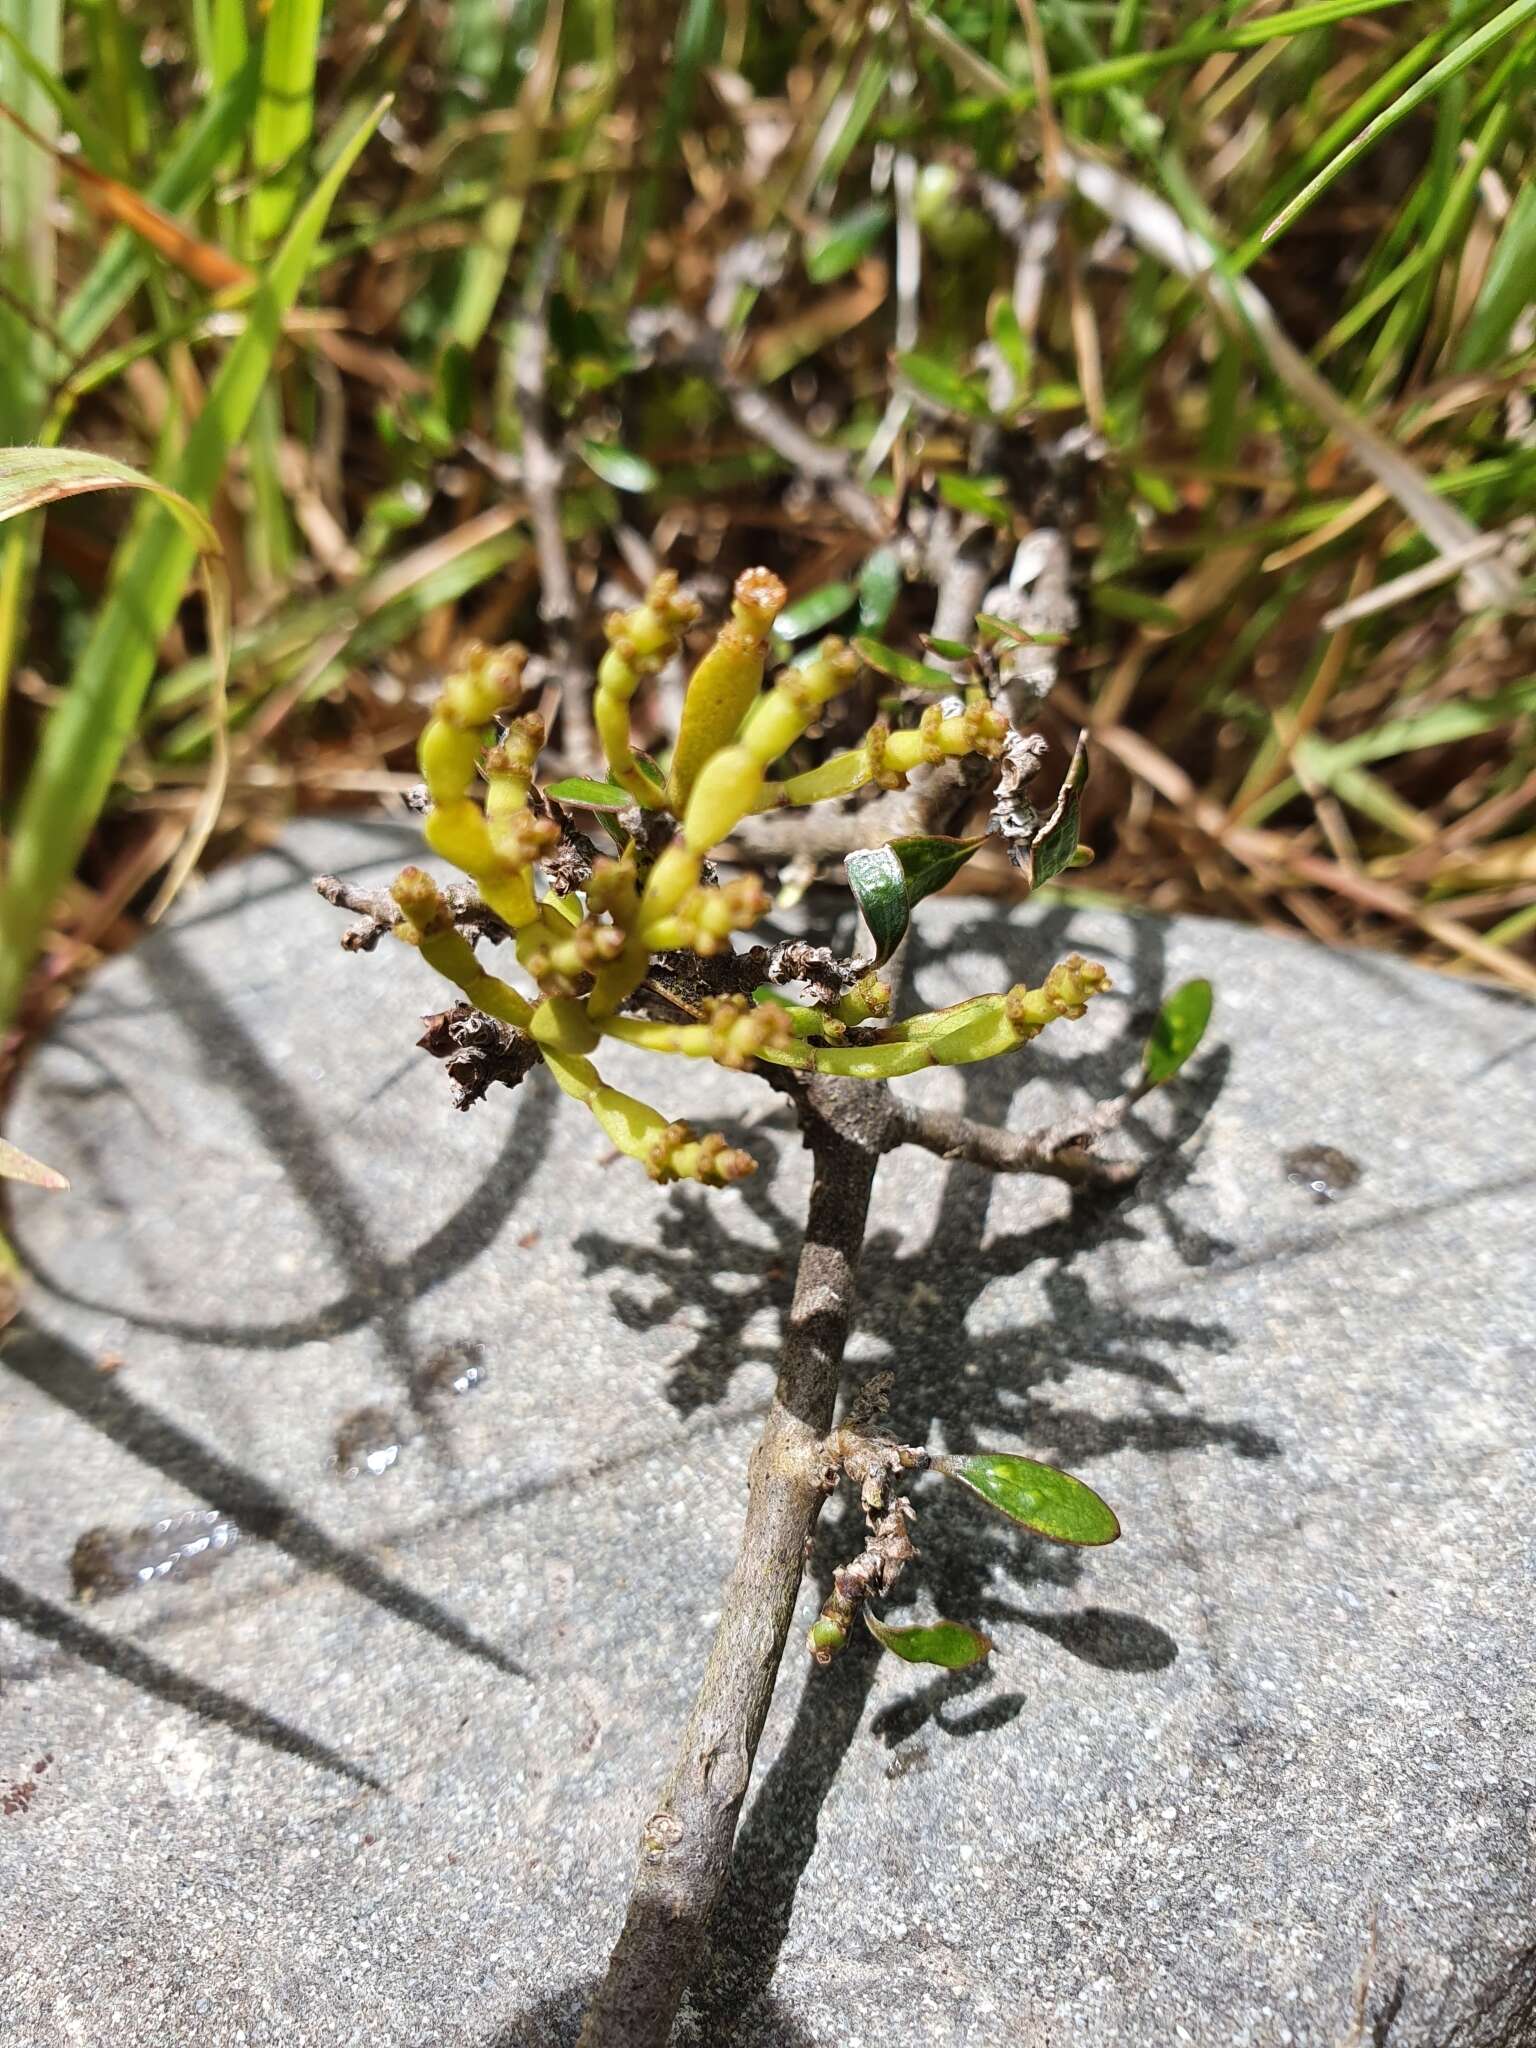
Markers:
point(28, 180)
point(488, 260)
point(184, 181)
point(1507, 289)
point(1450, 66)
point(285, 114)
point(85, 737)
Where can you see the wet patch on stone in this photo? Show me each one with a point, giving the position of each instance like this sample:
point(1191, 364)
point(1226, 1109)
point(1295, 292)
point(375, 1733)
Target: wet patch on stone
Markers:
point(106, 1562)
point(367, 1443)
point(1322, 1170)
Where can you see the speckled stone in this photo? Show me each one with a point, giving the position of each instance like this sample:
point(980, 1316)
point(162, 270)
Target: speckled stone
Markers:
point(1259, 1774)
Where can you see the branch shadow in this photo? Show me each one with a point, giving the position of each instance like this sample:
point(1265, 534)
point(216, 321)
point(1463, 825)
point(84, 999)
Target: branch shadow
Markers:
point(68, 1377)
point(385, 1286)
point(971, 1386)
point(382, 1288)
point(48, 1621)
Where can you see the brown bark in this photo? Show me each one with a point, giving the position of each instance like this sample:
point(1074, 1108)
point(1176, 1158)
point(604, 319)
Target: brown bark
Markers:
point(686, 1843)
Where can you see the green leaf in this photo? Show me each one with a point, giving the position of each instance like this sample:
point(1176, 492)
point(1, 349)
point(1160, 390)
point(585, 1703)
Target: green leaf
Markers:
point(946, 650)
point(186, 173)
point(1506, 288)
point(1179, 1029)
point(889, 881)
point(1008, 339)
point(285, 114)
point(879, 588)
point(901, 668)
point(620, 467)
point(30, 477)
point(91, 724)
point(18, 1165)
point(929, 861)
point(837, 247)
point(1118, 601)
point(1053, 846)
point(818, 608)
point(455, 388)
point(944, 385)
point(1005, 629)
point(947, 1643)
point(1423, 88)
point(590, 795)
point(1038, 1497)
point(876, 879)
point(971, 494)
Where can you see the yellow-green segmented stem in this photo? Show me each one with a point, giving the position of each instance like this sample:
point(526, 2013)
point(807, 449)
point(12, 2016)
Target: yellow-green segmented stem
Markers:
point(724, 686)
point(889, 757)
point(639, 643)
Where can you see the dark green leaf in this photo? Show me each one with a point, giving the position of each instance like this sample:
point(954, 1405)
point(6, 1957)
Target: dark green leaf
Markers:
point(876, 879)
point(832, 249)
point(971, 494)
point(944, 386)
point(619, 466)
point(1051, 1503)
point(1179, 1029)
point(1055, 843)
point(879, 588)
point(818, 608)
point(901, 668)
point(455, 389)
point(928, 861)
point(890, 880)
point(949, 1643)
point(591, 796)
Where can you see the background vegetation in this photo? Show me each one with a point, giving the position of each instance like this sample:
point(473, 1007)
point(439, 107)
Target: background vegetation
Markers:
point(604, 287)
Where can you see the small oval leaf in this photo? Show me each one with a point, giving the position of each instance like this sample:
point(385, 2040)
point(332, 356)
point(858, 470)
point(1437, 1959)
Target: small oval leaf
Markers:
point(620, 467)
point(928, 862)
point(876, 878)
point(590, 795)
point(818, 608)
point(1179, 1029)
point(980, 496)
point(1054, 846)
point(944, 386)
point(1005, 629)
point(948, 1643)
point(901, 668)
point(835, 248)
point(1052, 1503)
point(1009, 340)
point(879, 588)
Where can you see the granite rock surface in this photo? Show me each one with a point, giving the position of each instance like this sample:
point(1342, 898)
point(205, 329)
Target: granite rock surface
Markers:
point(480, 1401)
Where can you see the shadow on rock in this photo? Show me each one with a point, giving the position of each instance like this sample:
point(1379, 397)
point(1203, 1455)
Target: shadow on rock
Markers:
point(916, 1303)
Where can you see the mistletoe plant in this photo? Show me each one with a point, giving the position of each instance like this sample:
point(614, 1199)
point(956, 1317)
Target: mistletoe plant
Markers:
point(638, 946)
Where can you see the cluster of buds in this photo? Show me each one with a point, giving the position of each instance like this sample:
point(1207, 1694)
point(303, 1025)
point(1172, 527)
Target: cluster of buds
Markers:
point(676, 1154)
point(590, 950)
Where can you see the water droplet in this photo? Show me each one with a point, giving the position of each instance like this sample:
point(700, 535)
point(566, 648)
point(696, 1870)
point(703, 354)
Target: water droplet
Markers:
point(367, 1443)
point(109, 1561)
point(1322, 1170)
